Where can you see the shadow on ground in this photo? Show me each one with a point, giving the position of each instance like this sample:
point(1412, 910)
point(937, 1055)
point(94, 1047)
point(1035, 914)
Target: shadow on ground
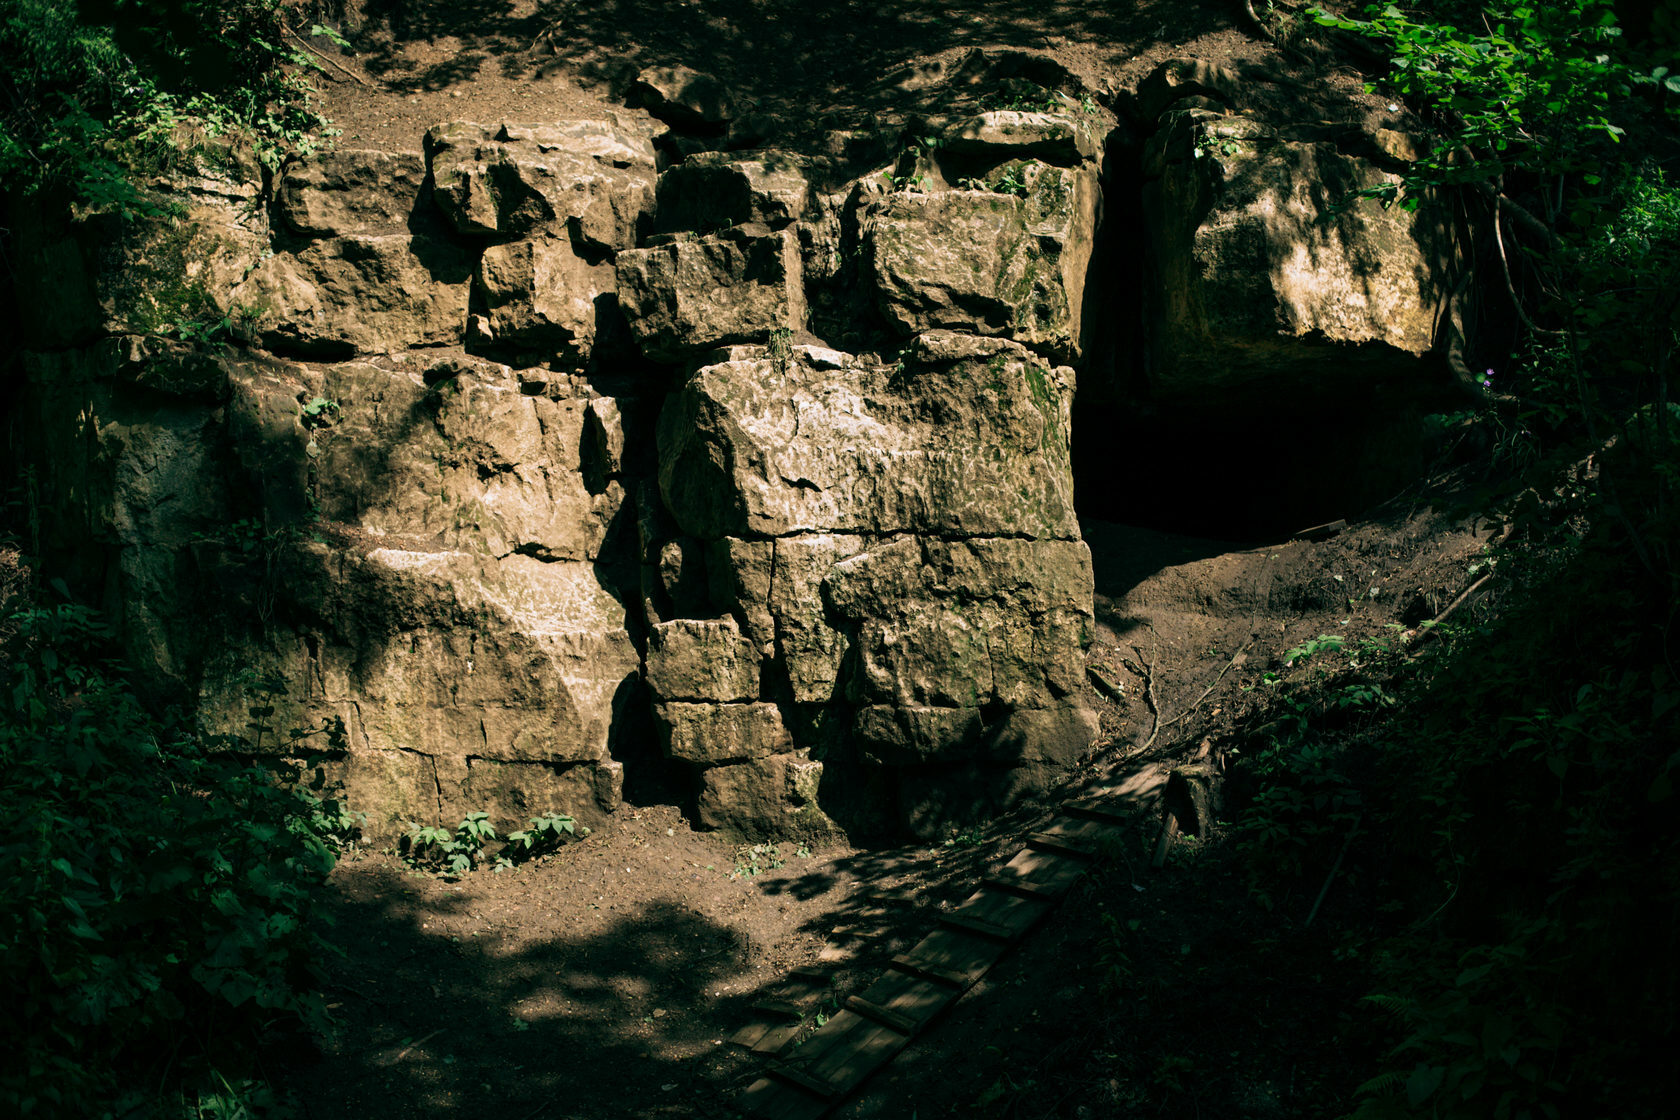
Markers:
point(623, 1022)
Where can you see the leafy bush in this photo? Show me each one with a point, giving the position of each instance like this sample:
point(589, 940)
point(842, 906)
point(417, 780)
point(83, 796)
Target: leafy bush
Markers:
point(155, 894)
point(97, 90)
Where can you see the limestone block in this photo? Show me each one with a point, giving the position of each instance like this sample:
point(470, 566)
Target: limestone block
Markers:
point(905, 736)
point(750, 799)
point(393, 788)
point(968, 436)
point(709, 734)
point(738, 575)
point(988, 263)
point(366, 293)
point(966, 624)
point(591, 181)
point(604, 435)
point(518, 791)
point(345, 191)
point(542, 292)
point(1260, 286)
point(1057, 138)
point(1179, 78)
point(715, 190)
point(684, 97)
point(472, 460)
point(682, 574)
point(691, 295)
point(702, 659)
point(811, 647)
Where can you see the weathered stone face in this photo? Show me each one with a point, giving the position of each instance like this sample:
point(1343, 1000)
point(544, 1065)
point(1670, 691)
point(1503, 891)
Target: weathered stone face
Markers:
point(543, 293)
point(986, 262)
point(354, 191)
point(1264, 278)
point(366, 293)
point(688, 296)
point(448, 615)
point(710, 192)
point(968, 436)
point(589, 180)
point(1015, 134)
point(816, 582)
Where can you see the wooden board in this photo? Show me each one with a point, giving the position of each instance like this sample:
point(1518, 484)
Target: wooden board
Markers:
point(1047, 870)
point(911, 997)
point(776, 1037)
point(1009, 911)
point(1098, 809)
point(842, 1052)
point(951, 956)
point(1091, 831)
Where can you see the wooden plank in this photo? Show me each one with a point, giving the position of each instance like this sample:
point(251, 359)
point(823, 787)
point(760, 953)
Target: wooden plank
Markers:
point(913, 998)
point(800, 1078)
point(1020, 889)
point(780, 1008)
point(1054, 873)
point(855, 1048)
point(1097, 810)
point(776, 1038)
point(1011, 911)
point(749, 1035)
point(954, 956)
point(1063, 845)
point(882, 1015)
point(978, 925)
point(767, 1099)
point(1087, 830)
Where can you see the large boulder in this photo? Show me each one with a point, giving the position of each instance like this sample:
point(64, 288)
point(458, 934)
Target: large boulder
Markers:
point(589, 180)
point(353, 190)
point(692, 294)
point(966, 436)
point(986, 262)
point(414, 578)
point(1268, 273)
point(361, 293)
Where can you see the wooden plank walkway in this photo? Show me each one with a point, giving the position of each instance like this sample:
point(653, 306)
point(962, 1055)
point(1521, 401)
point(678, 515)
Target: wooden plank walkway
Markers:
point(856, 1041)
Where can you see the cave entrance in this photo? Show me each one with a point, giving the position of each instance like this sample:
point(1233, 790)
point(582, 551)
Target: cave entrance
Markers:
point(1261, 472)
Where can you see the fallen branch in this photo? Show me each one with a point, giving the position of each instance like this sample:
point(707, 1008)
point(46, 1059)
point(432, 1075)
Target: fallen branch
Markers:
point(403, 1053)
point(1147, 672)
point(1236, 659)
point(1430, 627)
point(305, 44)
point(1335, 867)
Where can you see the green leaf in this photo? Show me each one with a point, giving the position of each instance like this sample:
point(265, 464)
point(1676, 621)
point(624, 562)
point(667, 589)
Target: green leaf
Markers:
point(1423, 1082)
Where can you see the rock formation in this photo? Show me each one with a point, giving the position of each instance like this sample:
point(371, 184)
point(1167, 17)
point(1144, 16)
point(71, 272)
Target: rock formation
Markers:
point(477, 473)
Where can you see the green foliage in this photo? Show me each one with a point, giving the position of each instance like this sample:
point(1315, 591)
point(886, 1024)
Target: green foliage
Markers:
point(1528, 86)
point(98, 92)
point(750, 859)
point(546, 833)
point(454, 853)
point(155, 895)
